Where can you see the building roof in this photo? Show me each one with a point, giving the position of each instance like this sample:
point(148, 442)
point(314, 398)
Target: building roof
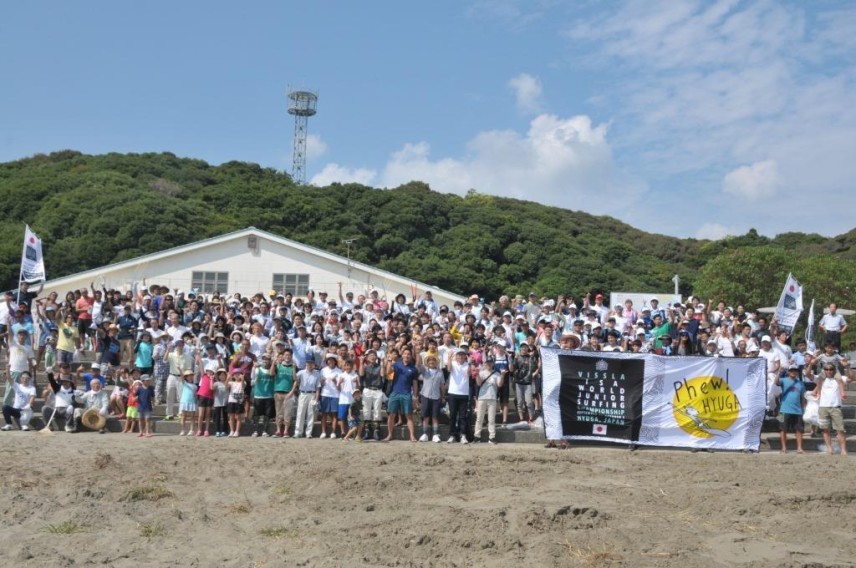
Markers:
point(250, 231)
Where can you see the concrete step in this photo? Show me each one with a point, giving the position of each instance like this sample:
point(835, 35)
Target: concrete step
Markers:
point(773, 442)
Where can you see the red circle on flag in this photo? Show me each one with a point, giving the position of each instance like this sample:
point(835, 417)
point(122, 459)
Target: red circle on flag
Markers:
point(32, 239)
point(599, 428)
point(792, 287)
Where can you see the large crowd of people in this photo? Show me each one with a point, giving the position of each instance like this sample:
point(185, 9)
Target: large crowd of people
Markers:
point(217, 361)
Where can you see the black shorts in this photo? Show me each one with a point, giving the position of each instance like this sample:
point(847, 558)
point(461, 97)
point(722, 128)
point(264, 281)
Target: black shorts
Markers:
point(503, 392)
point(430, 407)
point(791, 423)
point(248, 390)
point(83, 327)
point(235, 408)
point(145, 370)
point(205, 402)
point(264, 407)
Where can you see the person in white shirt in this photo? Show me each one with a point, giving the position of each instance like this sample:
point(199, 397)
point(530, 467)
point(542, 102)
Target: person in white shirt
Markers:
point(21, 408)
point(489, 381)
point(829, 413)
point(774, 367)
point(833, 325)
point(21, 359)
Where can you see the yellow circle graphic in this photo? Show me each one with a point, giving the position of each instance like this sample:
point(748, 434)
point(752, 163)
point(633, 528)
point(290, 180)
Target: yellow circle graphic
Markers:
point(705, 407)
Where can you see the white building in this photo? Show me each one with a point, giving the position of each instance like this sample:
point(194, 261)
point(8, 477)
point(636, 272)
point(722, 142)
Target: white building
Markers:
point(248, 261)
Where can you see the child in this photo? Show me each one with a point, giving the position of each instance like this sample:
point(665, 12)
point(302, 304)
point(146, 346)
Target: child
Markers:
point(131, 412)
point(117, 396)
point(355, 425)
point(347, 383)
point(431, 397)
point(220, 398)
point(145, 399)
point(812, 411)
point(489, 382)
point(235, 403)
point(206, 401)
point(187, 403)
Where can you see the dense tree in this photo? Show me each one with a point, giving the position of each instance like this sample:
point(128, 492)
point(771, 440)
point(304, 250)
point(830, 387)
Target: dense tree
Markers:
point(96, 210)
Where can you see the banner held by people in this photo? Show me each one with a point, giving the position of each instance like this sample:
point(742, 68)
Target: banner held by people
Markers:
point(809, 329)
point(790, 305)
point(32, 262)
point(646, 399)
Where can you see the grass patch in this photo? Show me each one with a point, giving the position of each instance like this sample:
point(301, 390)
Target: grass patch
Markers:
point(592, 556)
point(281, 490)
point(148, 493)
point(240, 508)
point(152, 530)
point(67, 527)
point(278, 532)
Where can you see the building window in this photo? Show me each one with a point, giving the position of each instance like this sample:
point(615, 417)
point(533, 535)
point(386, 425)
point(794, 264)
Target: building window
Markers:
point(209, 282)
point(294, 284)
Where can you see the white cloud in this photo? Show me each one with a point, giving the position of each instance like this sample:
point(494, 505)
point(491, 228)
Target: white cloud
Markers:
point(527, 90)
point(754, 181)
point(565, 162)
point(559, 161)
point(315, 147)
point(713, 232)
point(336, 173)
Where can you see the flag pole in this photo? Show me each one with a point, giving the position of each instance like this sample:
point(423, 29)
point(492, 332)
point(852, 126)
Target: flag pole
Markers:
point(21, 272)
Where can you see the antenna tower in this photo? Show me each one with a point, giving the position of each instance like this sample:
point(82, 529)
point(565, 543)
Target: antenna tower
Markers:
point(302, 104)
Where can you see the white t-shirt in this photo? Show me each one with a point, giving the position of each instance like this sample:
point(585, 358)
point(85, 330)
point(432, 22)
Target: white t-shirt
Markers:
point(258, 345)
point(22, 396)
point(771, 356)
point(459, 378)
point(725, 347)
point(330, 375)
point(830, 394)
point(346, 394)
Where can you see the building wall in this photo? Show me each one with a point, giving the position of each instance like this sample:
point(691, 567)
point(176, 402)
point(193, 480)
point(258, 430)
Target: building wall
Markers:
point(250, 271)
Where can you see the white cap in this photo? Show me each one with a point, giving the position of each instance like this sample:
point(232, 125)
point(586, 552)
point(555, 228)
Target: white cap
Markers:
point(766, 338)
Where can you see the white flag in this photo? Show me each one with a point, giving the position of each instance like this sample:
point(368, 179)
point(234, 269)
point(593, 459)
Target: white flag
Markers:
point(32, 262)
point(790, 305)
point(809, 330)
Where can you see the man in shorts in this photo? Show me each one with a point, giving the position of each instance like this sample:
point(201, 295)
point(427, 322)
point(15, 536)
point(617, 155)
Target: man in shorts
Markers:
point(791, 407)
point(405, 385)
point(830, 416)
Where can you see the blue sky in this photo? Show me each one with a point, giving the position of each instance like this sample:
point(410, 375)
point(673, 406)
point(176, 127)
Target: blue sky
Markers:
point(695, 119)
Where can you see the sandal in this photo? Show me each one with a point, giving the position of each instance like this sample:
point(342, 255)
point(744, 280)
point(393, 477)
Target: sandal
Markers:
point(563, 445)
point(550, 444)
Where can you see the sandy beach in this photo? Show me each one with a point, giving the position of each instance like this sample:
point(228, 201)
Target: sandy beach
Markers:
point(81, 500)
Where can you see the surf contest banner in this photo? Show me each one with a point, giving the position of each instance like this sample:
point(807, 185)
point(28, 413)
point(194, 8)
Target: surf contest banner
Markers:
point(653, 400)
point(32, 262)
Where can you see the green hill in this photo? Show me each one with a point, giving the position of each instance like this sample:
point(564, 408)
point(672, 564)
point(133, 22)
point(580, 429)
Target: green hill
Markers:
point(95, 210)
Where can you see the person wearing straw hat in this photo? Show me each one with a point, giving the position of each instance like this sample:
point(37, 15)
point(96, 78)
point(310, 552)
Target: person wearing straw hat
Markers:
point(97, 399)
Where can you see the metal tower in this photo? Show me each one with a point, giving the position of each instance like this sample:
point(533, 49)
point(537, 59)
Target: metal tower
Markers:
point(302, 105)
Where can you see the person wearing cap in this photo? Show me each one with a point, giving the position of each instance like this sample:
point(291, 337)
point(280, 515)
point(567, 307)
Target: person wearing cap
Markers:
point(179, 361)
point(94, 373)
point(791, 407)
point(66, 398)
point(666, 347)
point(24, 393)
point(831, 393)
point(108, 345)
point(284, 388)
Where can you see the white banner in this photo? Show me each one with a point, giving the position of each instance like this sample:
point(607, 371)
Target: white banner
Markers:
point(690, 402)
point(790, 305)
point(32, 262)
